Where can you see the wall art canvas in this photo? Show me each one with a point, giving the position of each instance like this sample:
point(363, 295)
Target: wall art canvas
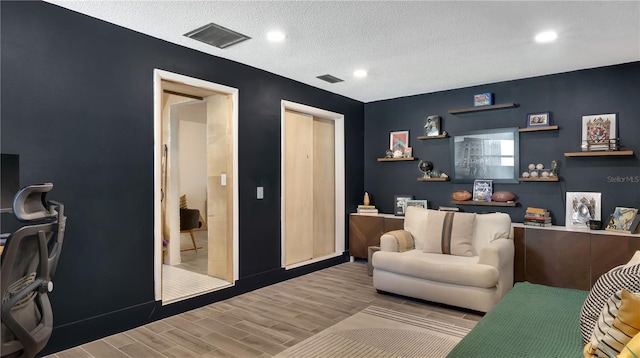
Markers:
point(598, 131)
point(582, 207)
point(432, 126)
point(624, 220)
point(483, 99)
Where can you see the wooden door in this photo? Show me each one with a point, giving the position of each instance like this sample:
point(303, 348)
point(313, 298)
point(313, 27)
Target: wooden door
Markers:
point(324, 202)
point(298, 189)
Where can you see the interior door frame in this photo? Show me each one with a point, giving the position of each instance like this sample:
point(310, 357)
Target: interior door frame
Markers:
point(159, 76)
point(338, 120)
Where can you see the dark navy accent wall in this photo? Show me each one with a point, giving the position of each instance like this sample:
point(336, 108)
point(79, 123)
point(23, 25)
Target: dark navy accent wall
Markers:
point(569, 96)
point(77, 106)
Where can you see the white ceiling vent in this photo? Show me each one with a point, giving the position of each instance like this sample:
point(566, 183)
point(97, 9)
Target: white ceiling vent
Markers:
point(330, 79)
point(216, 35)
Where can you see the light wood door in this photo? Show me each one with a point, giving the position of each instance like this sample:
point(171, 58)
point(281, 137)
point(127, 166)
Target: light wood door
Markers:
point(324, 202)
point(309, 187)
point(298, 189)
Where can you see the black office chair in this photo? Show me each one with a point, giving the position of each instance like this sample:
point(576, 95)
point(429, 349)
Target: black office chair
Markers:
point(29, 261)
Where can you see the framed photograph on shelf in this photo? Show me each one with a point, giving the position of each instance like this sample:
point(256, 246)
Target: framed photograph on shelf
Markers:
point(624, 220)
point(399, 141)
point(582, 207)
point(599, 132)
point(432, 126)
point(482, 190)
point(419, 203)
point(483, 99)
point(401, 204)
point(539, 119)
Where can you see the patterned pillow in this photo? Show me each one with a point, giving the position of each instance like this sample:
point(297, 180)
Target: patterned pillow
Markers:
point(608, 284)
point(611, 335)
point(632, 346)
point(450, 233)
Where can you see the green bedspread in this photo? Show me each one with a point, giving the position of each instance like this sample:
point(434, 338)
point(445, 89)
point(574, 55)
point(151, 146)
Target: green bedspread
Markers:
point(530, 321)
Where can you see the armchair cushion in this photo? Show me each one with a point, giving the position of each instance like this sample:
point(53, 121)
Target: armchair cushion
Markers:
point(457, 270)
point(449, 233)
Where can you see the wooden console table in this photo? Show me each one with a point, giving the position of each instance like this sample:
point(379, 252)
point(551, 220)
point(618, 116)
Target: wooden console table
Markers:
point(562, 257)
point(365, 231)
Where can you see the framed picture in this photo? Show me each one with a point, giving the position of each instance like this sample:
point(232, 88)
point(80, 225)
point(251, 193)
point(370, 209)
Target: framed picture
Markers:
point(419, 203)
point(401, 204)
point(483, 99)
point(432, 126)
point(623, 220)
point(582, 207)
point(399, 141)
point(599, 132)
point(491, 154)
point(538, 119)
point(482, 190)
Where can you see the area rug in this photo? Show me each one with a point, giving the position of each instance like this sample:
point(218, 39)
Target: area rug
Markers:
point(381, 332)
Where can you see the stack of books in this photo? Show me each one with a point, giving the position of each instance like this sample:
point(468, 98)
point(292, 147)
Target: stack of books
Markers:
point(537, 217)
point(367, 210)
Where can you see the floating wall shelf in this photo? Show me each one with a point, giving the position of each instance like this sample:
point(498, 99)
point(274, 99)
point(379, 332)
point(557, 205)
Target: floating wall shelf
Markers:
point(536, 129)
point(599, 154)
point(395, 159)
point(483, 108)
point(539, 179)
point(433, 179)
point(483, 203)
point(423, 137)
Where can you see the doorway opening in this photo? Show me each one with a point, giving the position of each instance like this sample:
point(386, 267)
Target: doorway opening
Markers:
point(196, 197)
point(313, 185)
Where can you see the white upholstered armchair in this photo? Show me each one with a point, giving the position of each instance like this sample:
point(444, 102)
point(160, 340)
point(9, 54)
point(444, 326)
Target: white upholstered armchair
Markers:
point(459, 259)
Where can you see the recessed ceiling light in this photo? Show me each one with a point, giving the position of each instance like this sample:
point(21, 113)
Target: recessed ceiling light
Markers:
point(360, 73)
point(547, 36)
point(276, 36)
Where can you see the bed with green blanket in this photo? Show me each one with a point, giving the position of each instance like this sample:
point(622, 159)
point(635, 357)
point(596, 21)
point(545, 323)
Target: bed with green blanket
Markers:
point(530, 321)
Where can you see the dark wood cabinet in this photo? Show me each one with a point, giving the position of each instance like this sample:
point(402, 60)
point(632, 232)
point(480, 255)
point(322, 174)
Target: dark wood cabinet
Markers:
point(559, 257)
point(365, 231)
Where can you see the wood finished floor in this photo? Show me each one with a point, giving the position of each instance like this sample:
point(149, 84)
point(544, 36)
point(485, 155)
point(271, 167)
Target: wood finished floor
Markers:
point(264, 322)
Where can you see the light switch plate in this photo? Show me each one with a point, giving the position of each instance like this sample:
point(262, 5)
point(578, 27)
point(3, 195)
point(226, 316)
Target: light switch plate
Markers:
point(260, 192)
point(223, 179)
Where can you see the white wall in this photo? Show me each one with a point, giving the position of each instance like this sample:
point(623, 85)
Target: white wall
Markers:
point(192, 149)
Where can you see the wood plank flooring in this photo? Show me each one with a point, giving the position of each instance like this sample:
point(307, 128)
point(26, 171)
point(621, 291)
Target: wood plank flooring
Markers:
point(264, 322)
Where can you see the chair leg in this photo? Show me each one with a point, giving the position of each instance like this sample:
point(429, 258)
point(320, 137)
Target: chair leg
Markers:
point(193, 239)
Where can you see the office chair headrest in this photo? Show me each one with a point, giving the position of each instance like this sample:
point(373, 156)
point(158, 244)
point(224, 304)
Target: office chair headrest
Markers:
point(30, 203)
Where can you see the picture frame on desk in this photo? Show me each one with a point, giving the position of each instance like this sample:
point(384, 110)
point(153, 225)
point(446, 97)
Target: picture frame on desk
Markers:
point(624, 220)
point(581, 208)
point(598, 131)
point(400, 204)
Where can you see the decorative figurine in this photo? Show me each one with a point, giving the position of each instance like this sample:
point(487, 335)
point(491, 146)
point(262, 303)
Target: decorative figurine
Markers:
point(366, 200)
point(388, 153)
point(554, 168)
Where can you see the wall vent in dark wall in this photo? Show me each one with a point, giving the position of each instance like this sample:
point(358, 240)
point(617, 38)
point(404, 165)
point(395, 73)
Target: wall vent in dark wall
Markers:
point(216, 35)
point(330, 79)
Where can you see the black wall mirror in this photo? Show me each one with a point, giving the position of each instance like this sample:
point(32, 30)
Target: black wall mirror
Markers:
point(486, 154)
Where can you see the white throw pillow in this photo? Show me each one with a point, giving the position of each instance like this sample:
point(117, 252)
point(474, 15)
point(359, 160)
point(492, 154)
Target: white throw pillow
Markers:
point(415, 222)
point(450, 233)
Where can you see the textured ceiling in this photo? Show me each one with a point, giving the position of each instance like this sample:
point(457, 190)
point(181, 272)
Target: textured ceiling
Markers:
point(407, 47)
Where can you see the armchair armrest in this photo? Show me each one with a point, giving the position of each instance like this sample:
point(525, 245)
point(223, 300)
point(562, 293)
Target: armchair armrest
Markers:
point(396, 241)
point(500, 254)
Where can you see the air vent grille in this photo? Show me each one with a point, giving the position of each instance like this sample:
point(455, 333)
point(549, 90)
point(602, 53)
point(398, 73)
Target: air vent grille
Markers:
point(330, 79)
point(216, 35)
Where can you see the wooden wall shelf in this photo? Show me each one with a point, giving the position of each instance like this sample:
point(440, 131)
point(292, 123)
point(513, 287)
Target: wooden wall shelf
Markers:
point(540, 179)
point(536, 129)
point(423, 137)
point(433, 179)
point(483, 203)
point(599, 154)
point(395, 159)
point(483, 108)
